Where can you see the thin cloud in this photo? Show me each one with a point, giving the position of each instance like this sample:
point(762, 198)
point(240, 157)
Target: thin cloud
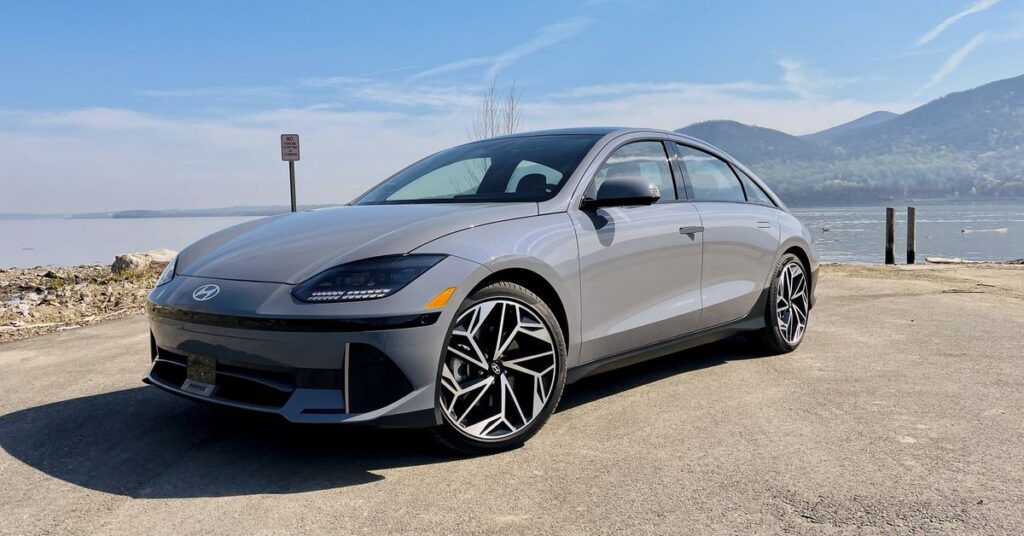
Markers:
point(333, 81)
point(809, 83)
point(453, 66)
point(603, 90)
point(977, 7)
point(547, 36)
point(953, 61)
point(216, 93)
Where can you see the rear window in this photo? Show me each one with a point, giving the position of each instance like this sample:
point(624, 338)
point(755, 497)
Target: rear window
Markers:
point(754, 192)
point(711, 178)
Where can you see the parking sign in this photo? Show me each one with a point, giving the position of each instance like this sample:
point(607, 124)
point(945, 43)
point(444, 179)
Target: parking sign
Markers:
point(289, 147)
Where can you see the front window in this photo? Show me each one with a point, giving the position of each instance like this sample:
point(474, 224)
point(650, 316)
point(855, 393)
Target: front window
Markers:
point(643, 159)
point(506, 170)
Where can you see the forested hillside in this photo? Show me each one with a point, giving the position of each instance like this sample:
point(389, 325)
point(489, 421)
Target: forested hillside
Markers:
point(967, 144)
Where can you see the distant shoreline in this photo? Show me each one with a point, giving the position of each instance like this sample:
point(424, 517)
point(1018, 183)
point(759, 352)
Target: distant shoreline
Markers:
point(272, 210)
point(223, 212)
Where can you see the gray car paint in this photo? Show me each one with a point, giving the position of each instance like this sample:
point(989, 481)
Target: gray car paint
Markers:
point(291, 248)
point(612, 303)
point(740, 244)
point(640, 276)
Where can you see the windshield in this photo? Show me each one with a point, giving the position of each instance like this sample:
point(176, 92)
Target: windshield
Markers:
point(504, 170)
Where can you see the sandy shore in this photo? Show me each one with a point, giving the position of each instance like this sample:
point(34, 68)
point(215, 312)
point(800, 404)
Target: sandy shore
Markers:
point(995, 279)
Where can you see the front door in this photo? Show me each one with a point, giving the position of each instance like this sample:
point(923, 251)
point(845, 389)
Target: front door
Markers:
point(639, 266)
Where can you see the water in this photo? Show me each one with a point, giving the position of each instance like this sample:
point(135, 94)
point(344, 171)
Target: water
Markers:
point(28, 243)
point(855, 234)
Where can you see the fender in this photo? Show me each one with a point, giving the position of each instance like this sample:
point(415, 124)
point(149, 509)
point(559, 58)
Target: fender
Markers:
point(544, 244)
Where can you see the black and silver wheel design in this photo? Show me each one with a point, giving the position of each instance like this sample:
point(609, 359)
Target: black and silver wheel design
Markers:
point(502, 371)
point(791, 304)
point(788, 306)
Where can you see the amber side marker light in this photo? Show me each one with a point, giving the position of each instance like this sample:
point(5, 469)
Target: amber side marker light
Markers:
point(441, 299)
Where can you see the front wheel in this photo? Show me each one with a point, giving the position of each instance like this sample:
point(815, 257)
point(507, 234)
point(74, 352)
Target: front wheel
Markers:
point(502, 370)
point(788, 307)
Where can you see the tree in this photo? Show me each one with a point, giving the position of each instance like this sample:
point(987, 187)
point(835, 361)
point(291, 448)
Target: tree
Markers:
point(499, 113)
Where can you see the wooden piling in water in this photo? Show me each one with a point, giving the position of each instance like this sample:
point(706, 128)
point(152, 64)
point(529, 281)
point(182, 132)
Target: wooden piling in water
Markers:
point(911, 234)
point(890, 235)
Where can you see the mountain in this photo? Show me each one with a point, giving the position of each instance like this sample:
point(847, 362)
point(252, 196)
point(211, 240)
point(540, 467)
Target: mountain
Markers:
point(986, 118)
point(869, 120)
point(968, 144)
point(750, 144)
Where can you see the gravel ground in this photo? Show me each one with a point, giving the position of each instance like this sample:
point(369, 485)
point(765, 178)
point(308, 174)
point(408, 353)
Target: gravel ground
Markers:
point(902, 413)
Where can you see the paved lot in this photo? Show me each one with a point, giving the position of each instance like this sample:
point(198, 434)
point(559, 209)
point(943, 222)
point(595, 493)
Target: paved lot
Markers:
point(902, 412)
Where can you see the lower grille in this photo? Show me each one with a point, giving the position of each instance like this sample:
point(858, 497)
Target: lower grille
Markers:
point(246, 385)
point(369, 380)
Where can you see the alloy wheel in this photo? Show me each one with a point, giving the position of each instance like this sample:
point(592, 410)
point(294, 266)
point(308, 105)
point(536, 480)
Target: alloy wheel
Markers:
point(791, 304)
point(499, 370)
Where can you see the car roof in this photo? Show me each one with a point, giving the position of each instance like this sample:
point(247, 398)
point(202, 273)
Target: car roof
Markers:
point(603, 131)
point(596, 131)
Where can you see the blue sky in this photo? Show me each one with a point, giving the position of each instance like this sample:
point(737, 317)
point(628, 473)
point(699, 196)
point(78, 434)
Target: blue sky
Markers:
point(118, 105)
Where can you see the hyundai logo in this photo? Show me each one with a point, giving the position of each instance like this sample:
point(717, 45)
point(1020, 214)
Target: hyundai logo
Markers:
point(205, 292)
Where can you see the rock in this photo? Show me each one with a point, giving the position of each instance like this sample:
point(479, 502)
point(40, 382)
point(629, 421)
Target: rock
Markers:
point(24, 309)
point(50, 274)
point(131, 263)
point(135, 263)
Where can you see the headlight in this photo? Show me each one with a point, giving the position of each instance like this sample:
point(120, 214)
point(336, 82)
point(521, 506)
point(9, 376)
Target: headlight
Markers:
point(365, 280)
point(168, 274)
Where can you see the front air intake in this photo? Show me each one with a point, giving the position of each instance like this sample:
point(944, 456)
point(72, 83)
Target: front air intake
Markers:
point(372, 380)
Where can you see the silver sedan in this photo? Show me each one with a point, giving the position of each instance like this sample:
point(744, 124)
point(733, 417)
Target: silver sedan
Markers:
point(463, 293)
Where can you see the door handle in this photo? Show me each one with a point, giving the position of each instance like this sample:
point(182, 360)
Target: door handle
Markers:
point(693, 229)
point(764, 225)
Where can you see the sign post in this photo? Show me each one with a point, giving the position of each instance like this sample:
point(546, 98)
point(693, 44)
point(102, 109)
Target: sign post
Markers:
point(290, 153)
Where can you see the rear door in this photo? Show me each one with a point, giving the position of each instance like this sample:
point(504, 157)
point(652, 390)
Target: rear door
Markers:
point(740, 237)
point(639, 273)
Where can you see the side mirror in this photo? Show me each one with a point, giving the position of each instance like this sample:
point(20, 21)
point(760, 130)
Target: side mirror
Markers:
point(623, 192)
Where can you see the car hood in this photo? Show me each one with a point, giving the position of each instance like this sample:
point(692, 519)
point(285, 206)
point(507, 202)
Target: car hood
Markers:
point(292, 247)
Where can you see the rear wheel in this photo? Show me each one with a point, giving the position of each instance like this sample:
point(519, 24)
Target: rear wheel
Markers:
point(788, 306)
point(502, 370)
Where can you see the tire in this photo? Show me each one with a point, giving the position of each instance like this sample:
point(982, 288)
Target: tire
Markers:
point(526, 377)
point(788, 301)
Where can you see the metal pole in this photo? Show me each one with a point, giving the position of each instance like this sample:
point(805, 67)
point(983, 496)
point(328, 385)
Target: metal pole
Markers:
point(890, 235)
point(911, 234)
point(291, 174)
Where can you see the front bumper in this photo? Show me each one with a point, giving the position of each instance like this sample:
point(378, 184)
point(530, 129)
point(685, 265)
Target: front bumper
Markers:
point(305, 377)
point(377, 368)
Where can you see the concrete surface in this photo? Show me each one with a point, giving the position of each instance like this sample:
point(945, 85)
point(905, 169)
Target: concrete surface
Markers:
point(903, 412)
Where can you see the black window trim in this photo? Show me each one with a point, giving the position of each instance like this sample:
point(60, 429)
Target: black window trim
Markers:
point(669, 155)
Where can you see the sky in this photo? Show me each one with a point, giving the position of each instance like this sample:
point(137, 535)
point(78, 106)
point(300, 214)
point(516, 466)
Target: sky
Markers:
point(156, 105)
